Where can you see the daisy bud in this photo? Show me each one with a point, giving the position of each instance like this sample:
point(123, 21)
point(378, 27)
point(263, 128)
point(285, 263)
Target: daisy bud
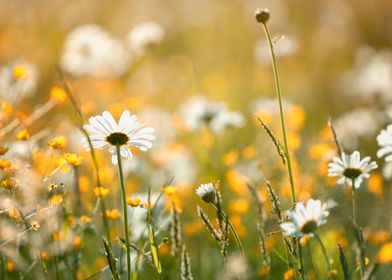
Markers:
point(206, 192)
point(262, 15)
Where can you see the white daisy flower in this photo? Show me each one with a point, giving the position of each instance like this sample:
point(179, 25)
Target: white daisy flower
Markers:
point(206, 192)
point(305, 219)
point(351, 168)
point(106, 133)
point(145, 35)
point(384, 140)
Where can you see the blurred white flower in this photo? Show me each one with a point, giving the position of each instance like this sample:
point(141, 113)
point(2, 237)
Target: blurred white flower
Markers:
point(371, 76)
point(384, 140)
point(17, 80)
point(144, 35)
point(198, 112)
point(106, 133)
point(268, 105)
point(284, 47)
point(349, 168)
point(90, 50)
point(206, 192)
point(305, 219)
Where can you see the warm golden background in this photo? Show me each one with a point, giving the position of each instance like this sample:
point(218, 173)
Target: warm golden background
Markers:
point(335, 61)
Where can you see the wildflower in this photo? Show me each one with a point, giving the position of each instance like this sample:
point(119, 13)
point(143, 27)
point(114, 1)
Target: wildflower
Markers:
point(206, 192)
point(85, 219)
point(289, 274)
point(35, 225)
point(3, 150)
point(385, 254)
point(52, 186)
point(58, 143)
point(19, 72)
point(45, 255)
point(305, 219)
point(262, 15)
point(384, 140)
point(4, 163)
point(56, 199)
point(10, 266)
point(58, 95)
point(169, 190)
point(145, 35)
point(106, 133)
point(112, 214)
point(14, 213)
point(101, 191)
point(133, 202)
point(350, 168)
point(73, 159)
point(23, 135)
point(9, 183)
point(77, 241)
point(57, 235)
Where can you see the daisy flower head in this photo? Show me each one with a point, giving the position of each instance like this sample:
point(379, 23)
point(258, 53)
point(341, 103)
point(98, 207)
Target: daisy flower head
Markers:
point(384, 140)
point(305, 219)
point(350, 168)
point(206, 192)
point(106, 133)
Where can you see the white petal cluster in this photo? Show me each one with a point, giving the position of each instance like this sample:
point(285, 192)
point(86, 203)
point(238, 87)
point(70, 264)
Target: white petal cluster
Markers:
point(384, 140)
point(305, 219)
point(350, 167)
point(206, 192)
point(198, 112)
point(144, 35)
point(102, 127)
point(91, 50)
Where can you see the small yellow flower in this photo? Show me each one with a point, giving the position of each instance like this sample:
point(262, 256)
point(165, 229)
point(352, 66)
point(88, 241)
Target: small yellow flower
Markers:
point(45, 255)
point(23, 135)
point(10, 266)
point(385, 254)
point(6, 108)
point(13, 213)
point(133, 202)
point(57, 235)
point(52, 186)
point(169, 190)
point(56, 199)
point(73, 159)
point(58, 95)
point(35, 225)
point(113, 214)
point(3, 150)
point(4, 163)
point(230, 158)
point(19, 72)
point(77, 241)
point(58, 143)
point(101, 191)
point(9, 183)
point(289, 274)
point(239, 206)
point(85, 219)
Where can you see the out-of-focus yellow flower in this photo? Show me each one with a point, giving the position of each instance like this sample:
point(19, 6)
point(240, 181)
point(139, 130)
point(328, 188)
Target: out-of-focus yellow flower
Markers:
point(289, 274)
point(56, 199)
point(13, 213)
point(207, 138)
point(194, 228)
point(249, 152)
point(58, 95)
point(264, 270)
point(239, 206)
point(6, 108)
point(133, 202)
point(375, 184)
point(52, 186)
point(4, 163)
point(58, 143)
point(321, 151)
point(164, 249)
point(101, 191)
point(113, 214)
point(9, 183)
point(3, 150)
point(379, 237)
point(77, 241)
point(295, 117)
point(385, 254)
point(23, 135)
point(19, 72)
point(169, 190)
point(85, 219)
point(304, 240)
point(230, 158)
point(10, 266)
point(84, 183)
point(367, 261)
point(35, 225)
point(45, 255)
point(294, 141)
point(57, 235)
point(236, 182)
point(73, 159)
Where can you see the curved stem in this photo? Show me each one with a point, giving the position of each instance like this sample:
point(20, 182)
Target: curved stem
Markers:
point(282, 121)
point(124, 202)
point(325, 255)
point(236, 237)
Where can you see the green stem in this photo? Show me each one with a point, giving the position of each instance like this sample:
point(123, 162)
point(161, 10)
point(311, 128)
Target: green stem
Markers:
point(301, 262)
point(325, 255)
point(124, 202)
point(105, 221)
point(236, 237)
point(283, 124)
point(353, 197)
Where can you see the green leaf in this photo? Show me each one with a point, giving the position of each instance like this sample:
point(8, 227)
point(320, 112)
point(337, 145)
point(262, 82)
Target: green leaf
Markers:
point(343, 262)
point(111, 259)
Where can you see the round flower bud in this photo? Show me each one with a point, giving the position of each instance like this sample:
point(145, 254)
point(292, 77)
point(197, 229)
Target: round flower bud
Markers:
point(262, 15)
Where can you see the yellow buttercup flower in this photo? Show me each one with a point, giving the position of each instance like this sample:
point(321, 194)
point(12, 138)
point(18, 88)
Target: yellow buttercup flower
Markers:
point(133, 202)
point(23, 135)
point(58, 143)
point(112, 214)
point(385, 254)
point(58, 95)
point(3, 150)
point(85, 219)
point(9, 183)
point(73, 159)
point(101, 191)
point(19, 72)
point(169, 190)
point(56, 199)
point(4, 163)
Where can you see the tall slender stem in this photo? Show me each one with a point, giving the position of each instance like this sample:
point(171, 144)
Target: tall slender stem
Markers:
point(301, 262)
point(282, 121)
point(325, 255)
point(354, 206)
point(124, 202)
